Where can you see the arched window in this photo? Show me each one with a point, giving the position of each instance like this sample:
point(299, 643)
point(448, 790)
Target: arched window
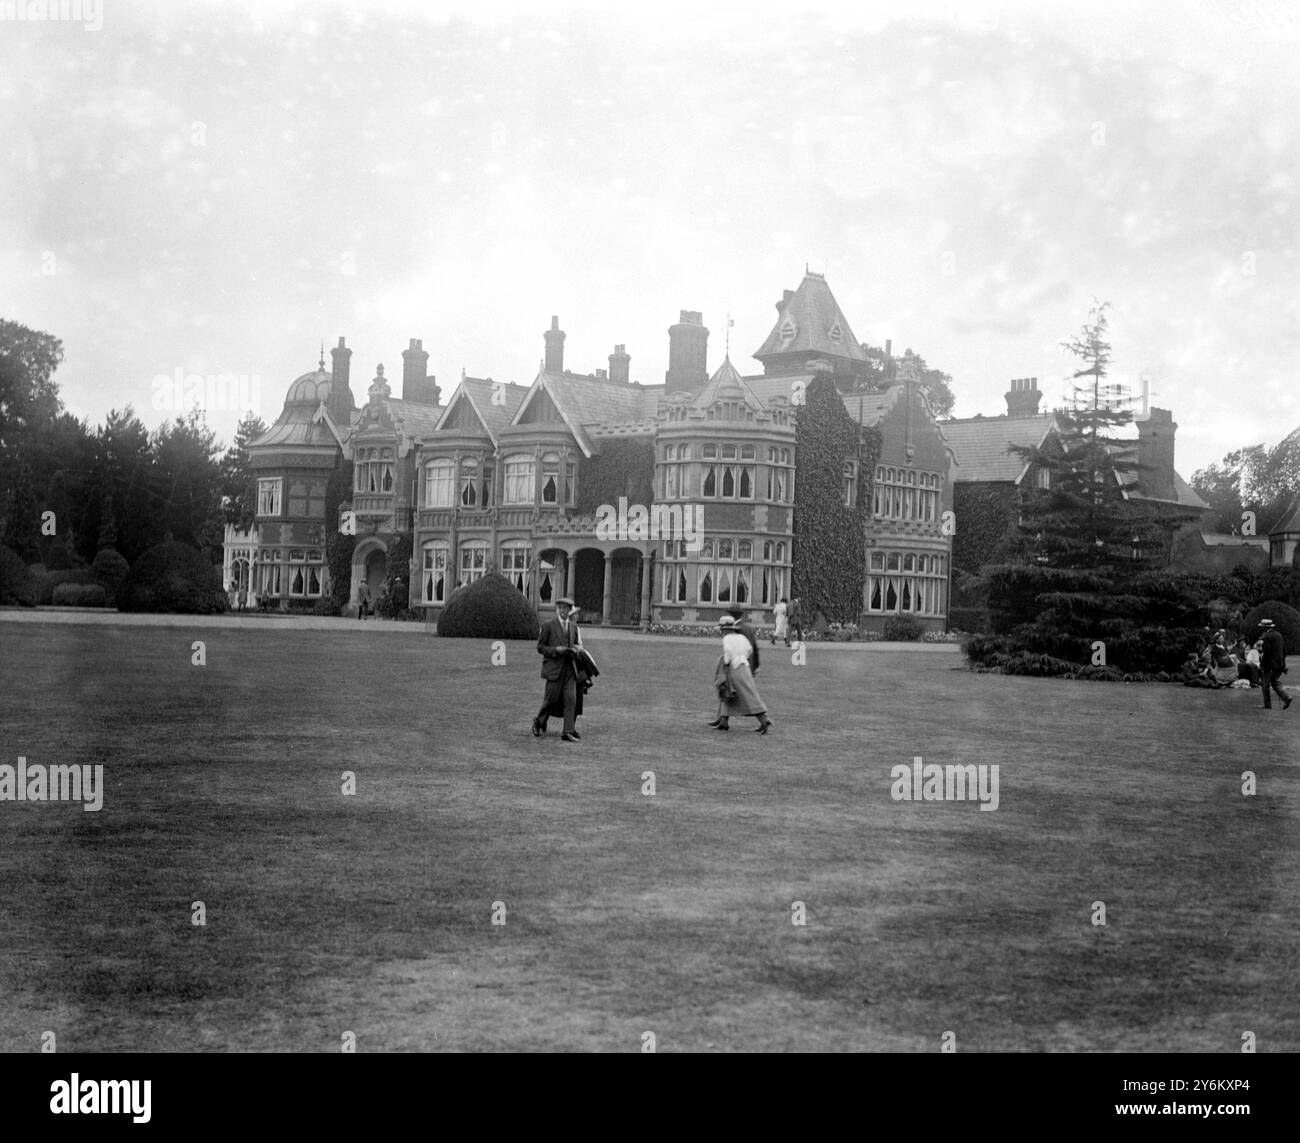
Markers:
point(438, 484)
point(728, 452)
point(709, 452)
point(473, 561)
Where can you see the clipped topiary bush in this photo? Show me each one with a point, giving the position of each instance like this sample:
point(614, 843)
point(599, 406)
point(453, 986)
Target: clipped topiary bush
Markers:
point(57, 557)
point(110, 569)
point(1287, 619)
point(80, 595)
point(901, 629)
point(46, 584)
point(327, 605)
point(17, 584)
point(173, 577)
point(489, 608)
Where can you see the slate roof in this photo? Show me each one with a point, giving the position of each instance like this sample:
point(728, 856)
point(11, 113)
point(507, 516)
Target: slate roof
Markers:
point(417, 419)
point(479, 391)
point(814, 311)
point(585, 402)
point(980, 445)
point(1291, 521)
point(1228, 540)
point(727, 385)
point(1185, 493)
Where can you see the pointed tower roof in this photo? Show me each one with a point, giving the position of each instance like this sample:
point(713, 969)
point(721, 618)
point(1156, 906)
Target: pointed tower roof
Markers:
point(810, 323)
point(726, 384)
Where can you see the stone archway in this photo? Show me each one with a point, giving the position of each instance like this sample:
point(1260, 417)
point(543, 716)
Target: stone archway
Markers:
point(369, 565)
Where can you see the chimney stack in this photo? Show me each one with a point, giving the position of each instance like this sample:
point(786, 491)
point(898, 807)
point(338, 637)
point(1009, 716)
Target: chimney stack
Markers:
point(620, 365)
point(785, 301)
point(688, 353)
point(417, 385)
point(341, 402)
point(1156, 454)
point(1023, 397)
point(554, 362)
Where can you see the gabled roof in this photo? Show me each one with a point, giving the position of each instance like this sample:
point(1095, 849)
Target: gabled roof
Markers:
point(981, 445)
point(818, 325)
point(1185, 494)
point(1291, 521)
point(584, 402)
point(478, 392)
point(414, 418)
point(727, 385)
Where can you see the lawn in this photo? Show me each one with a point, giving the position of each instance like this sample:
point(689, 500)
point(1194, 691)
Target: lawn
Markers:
point(626, 913)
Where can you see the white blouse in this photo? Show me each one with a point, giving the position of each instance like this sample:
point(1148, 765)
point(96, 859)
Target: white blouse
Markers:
point(735, 648)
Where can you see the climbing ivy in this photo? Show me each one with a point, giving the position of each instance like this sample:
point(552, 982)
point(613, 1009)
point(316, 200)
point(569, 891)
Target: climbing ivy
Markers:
point(986, 520)
point(623, 467)
point(338, 547)
point(830, 565)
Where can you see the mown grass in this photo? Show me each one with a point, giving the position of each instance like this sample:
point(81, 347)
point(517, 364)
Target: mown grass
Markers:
point(628, 913)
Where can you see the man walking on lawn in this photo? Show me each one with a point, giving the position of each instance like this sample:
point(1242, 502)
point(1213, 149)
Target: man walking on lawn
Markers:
point(1272, 664)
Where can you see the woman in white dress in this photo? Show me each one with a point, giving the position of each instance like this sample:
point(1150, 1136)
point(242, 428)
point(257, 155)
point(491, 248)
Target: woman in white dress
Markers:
point(781, 628)
point(733, 668)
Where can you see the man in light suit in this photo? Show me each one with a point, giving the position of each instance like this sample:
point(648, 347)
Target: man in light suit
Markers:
point(558, 644)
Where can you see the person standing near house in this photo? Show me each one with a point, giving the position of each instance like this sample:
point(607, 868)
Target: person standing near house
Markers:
point(734, 681)
point(1272, 664)
point(363, 600)
point(780, 625)
point(738, 614)
point(558, 643)
point(795, 617)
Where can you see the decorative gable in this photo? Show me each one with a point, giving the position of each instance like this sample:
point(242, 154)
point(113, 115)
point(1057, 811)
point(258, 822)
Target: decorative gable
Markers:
point(540, 410)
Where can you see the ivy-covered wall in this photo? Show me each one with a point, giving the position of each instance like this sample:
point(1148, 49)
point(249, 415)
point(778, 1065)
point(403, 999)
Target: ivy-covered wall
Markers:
point(338, 547)
point(623, 467)
point(830, 566)
point(986, 519)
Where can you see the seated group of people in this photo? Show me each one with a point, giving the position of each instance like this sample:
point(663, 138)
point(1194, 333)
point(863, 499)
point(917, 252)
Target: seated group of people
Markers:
point(1220, 664)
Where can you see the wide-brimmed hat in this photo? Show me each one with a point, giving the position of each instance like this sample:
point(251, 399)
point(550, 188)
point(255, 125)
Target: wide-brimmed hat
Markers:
point(727, 621)
point(1267, 623)
point(565, 601)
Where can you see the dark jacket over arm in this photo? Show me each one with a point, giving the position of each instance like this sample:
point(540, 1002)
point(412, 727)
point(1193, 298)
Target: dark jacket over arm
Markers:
point(550, 642)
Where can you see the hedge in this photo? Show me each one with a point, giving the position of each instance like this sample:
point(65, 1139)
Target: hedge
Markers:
point(901, 629)
point(489, 608)
point(17, 584)
point(80, 595)
point(46, 584)
point(327, 605)
point(173, 577)
point(110, 569)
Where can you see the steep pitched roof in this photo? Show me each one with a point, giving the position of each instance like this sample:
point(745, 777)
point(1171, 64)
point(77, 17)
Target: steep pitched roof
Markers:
point(414, 418)
point(981, 445)
point(726, 385)
point(811, 322)
point(585, 402)
point(1185, 494)
point(1291, 521)
point(478, 392)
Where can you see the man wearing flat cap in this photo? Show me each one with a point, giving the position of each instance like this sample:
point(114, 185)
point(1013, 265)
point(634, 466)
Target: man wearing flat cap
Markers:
point(560, 645)
point(1272, 664)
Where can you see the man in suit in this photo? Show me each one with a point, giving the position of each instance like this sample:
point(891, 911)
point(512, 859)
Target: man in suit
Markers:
point(743, 628)
point(1272, 664)
point(794, 619)
point(558, 643)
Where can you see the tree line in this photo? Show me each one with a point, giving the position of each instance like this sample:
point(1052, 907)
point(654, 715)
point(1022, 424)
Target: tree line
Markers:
point(118, 485)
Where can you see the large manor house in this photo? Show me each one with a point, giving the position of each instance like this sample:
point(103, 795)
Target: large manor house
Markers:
point(492, 479)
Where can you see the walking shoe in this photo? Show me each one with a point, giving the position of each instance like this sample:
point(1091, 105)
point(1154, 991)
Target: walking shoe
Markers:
point(1286, 702)
point(537, 729)
point(567, 738)
point(762, 726)
point(723, 725)
point(575, 734)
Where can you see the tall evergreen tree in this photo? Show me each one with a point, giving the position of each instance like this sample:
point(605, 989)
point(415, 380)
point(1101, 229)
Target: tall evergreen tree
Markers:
point(238, 480)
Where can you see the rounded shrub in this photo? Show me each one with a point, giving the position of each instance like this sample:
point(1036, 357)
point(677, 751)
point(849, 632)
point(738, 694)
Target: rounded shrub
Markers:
point(327, 605)
point(110, 569)
point(901, 629)
point(17, 584)
point(80, 595)
point(489, 608)
point(1286, 617)
point(172, 577)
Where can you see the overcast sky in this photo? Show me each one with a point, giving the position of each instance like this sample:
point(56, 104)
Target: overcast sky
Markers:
point(217, 187)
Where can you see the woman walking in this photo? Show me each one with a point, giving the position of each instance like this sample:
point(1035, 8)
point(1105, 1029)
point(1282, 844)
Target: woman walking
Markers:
point(735, 683)
point(781, 627)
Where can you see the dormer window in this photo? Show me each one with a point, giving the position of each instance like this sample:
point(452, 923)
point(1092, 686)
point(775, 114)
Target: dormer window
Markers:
point(788, 330)
point(835, 332)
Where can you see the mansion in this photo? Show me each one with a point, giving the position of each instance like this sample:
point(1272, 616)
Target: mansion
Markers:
point(501, 477)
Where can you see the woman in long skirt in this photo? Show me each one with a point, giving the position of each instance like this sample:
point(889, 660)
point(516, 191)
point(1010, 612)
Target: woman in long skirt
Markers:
point(781, 626)
point(745, 700)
